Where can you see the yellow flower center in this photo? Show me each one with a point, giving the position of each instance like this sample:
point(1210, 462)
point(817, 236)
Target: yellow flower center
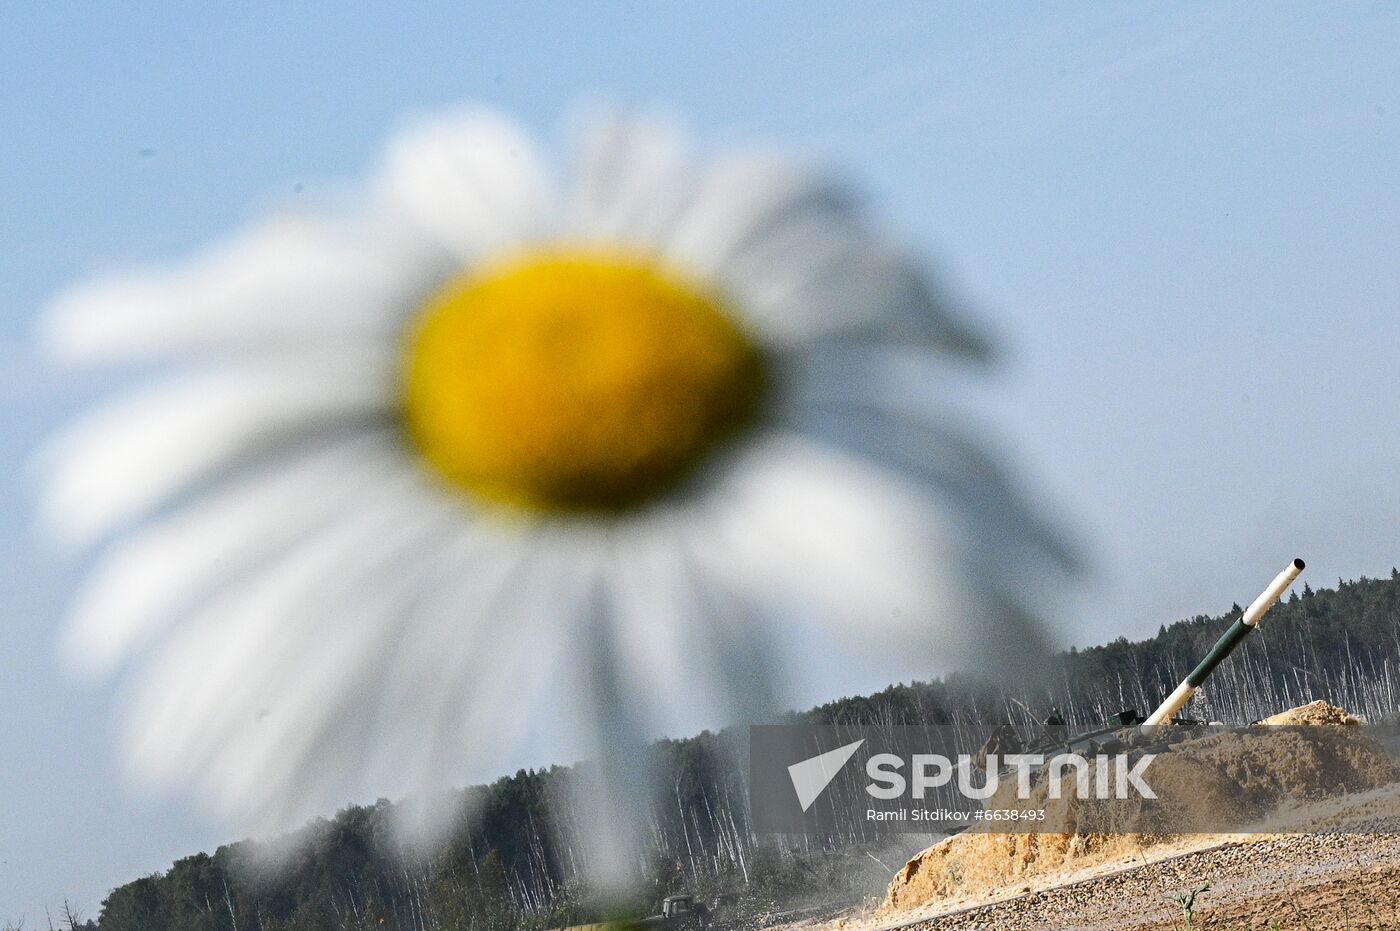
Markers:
point(575, 381)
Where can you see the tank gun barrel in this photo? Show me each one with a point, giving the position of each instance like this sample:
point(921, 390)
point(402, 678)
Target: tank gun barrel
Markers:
point(1225, 645)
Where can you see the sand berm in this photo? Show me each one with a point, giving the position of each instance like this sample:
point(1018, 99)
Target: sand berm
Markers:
point(1231, 777)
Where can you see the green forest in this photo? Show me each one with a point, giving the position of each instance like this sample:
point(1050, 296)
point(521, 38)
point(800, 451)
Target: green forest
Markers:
point(512, 865)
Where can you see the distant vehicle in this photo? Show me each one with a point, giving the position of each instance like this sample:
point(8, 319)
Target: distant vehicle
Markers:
point(678, 913)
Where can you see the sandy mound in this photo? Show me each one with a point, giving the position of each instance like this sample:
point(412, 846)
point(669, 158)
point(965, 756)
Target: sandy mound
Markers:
point(1229, 779)
point(1315, 712)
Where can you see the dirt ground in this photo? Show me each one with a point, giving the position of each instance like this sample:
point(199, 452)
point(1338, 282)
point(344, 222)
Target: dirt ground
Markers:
point(1298, 882)
point(1308, 862)
point(1324, 881)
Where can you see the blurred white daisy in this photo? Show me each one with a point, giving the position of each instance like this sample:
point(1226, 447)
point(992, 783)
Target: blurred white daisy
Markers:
point(487, 448)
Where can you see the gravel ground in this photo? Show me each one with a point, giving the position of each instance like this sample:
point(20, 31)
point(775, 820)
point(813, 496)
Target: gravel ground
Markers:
point(1322, 881)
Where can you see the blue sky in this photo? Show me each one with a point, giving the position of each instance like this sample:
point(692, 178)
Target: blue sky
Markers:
point(1183, 221)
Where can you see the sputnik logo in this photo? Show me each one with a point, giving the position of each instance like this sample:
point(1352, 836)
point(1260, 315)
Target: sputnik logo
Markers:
point(811, 777)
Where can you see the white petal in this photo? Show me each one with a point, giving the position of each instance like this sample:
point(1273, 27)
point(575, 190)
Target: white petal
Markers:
point(609, 715)
point(311, 749)
point(787, 245)
point(456, 659)
point(741, 199)
point(820, 518)
point(558, 577)
point(135, 453)
point(465, 662)
point(692, 649)
point(291, 280)
point(135, 590)
point(483, 643)
point(744, 642)
point(471, 180)
point(887, 406)
point(632, 180)
point(867, 551)
point(815, 278)
point(215, 675)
